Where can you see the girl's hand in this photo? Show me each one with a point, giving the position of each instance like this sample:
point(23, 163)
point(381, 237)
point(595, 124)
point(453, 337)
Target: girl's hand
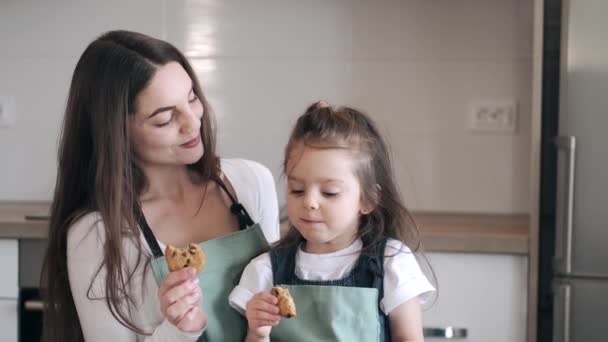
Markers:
point(180, 300)
point(262, 314)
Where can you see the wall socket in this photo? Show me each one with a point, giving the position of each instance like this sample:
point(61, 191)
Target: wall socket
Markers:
point(7, 111)
point(493, 116)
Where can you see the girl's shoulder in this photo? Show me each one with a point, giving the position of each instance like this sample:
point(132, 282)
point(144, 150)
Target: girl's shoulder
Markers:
point(394, 246)
point(397, 255)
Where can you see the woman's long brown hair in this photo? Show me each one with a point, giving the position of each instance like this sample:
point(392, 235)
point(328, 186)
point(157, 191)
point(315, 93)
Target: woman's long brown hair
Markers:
point(98, 173)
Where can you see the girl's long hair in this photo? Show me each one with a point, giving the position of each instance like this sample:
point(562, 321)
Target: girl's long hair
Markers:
point(98, 173)
point(325, 127)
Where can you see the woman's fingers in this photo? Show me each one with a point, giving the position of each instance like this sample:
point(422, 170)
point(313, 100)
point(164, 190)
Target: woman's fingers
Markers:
point(174, 278)
point(177, 292)
point(181, 307)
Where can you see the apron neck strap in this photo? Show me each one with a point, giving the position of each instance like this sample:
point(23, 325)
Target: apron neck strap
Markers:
point(148, 235)
point(236, 208)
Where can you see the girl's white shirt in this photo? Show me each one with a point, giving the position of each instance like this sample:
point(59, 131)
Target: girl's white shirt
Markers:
point(255, 189)
point(403, 278)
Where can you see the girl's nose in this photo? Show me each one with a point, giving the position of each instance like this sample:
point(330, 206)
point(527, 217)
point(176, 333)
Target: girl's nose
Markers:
point(310, 201)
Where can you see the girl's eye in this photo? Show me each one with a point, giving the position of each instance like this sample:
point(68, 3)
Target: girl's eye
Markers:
point(331, 194)
point(296, 192)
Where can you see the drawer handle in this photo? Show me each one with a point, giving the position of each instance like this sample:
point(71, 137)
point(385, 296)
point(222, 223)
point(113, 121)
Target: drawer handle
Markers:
point(447, 333)
point(33, 305)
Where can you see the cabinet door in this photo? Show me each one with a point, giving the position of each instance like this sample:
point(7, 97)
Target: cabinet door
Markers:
point(484, 293)
point(8, 320)
point(9, 287)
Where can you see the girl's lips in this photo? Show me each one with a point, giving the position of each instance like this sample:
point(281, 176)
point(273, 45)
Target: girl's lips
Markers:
point(192, 143)
point(311, 221)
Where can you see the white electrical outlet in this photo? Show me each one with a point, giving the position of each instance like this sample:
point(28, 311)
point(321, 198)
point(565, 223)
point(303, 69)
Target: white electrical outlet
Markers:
point(493, 116)
point(7, 111)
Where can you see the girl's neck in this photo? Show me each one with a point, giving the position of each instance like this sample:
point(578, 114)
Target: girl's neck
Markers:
point(328, 247)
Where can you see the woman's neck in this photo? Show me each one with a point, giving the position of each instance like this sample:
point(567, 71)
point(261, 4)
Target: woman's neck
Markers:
point(167, 183)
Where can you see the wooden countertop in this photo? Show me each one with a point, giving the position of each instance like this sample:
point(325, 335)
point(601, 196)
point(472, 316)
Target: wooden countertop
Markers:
point(13, 222)
point(478, 233)
point(440, 232)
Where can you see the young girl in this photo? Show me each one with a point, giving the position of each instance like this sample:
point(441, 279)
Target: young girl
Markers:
point(345, 259)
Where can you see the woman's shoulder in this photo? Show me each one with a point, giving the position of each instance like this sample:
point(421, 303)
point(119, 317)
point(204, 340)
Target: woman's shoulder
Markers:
point(244, 167)
point(249, 178)
point(85, 224)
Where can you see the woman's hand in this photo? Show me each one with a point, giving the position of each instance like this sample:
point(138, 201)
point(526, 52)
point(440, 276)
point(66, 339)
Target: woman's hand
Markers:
point(180, 300)
point(262, 314)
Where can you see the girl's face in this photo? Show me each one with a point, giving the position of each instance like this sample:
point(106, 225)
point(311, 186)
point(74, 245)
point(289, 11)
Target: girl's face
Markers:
point(165, 130)
point(324, 197)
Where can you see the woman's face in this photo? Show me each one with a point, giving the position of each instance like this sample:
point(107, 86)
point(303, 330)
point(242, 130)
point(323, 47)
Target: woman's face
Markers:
point(165, 129)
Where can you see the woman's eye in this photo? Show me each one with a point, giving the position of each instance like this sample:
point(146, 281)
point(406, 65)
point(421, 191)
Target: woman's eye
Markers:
point(162, 124)
point(296, 192)
point(193, 98)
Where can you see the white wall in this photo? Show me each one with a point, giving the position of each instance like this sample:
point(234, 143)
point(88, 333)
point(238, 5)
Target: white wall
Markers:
point(413, 65)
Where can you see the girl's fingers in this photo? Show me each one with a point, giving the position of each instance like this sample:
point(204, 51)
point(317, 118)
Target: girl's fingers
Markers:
point(265, 316)
point(264, 306)
point(263, 323)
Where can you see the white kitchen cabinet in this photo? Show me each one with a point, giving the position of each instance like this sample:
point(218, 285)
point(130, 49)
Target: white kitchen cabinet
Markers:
point(484, 293)
point(9, 290)
point(8, 320)
point(9, 259)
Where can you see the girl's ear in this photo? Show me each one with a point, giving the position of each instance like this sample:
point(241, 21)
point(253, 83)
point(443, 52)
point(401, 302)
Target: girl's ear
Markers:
point(369, 204)
point(366, 207)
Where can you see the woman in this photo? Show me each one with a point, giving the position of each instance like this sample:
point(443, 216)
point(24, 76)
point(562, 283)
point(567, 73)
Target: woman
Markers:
point(138, 171)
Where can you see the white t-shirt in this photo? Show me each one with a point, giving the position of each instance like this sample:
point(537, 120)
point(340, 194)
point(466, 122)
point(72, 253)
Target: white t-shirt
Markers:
point(255, 189)
point(403, 279)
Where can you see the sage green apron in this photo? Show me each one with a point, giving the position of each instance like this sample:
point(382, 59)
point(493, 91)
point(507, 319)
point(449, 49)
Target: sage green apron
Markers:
point(227, 256)
point(330, 313)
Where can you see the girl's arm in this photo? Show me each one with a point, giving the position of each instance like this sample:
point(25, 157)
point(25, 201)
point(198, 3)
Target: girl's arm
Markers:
point(406, 322)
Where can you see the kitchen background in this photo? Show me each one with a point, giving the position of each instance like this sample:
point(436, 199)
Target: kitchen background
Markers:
point(416, 66)
point(421, 68)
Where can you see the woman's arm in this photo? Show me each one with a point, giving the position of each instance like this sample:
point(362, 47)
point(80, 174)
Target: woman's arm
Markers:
point(85, 254)
point(406, 322)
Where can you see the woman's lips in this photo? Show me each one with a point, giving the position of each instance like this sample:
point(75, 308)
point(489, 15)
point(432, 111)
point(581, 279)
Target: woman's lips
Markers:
point(192, 143)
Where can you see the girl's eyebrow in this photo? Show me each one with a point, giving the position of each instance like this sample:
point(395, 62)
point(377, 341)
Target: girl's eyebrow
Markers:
point(325, 180)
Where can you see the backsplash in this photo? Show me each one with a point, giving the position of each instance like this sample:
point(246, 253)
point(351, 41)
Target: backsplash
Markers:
point(415, 66)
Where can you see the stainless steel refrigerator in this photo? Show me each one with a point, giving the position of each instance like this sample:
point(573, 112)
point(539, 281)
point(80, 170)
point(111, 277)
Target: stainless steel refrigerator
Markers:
point(579, 262)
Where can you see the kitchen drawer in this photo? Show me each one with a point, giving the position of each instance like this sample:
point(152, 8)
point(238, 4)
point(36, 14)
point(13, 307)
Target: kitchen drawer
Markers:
point(9, 287)
point(486, 294)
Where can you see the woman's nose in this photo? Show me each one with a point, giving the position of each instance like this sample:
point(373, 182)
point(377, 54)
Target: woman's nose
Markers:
point(191, 122)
